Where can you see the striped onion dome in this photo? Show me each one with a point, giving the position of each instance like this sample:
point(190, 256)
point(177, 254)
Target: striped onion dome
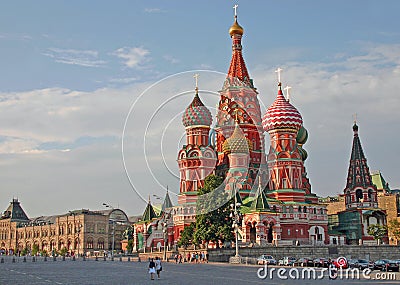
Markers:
point(282, 115)
point(237, 142)
point(196, 114)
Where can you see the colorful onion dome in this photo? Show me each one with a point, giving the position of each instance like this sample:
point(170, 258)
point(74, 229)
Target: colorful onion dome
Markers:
point(237, 142)
point(236, 28)
point(196, 114)
point(303, 153)
point(302, 136)
point(282, 115)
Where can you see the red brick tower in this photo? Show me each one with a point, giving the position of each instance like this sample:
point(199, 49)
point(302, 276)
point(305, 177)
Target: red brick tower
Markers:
point(196, 159)
point(239, 100)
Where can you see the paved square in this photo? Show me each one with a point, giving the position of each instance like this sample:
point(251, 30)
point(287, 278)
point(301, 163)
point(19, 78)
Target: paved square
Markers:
point(107, 272)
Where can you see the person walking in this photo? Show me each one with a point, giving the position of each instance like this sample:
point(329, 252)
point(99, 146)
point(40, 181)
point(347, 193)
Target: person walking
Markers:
point(158, 266)
point(152, 268)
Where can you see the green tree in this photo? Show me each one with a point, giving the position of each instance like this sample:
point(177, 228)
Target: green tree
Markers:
point(129, 247)
point(24, 251)
point(377, 231)
point(394, 228)
point(35, 249)
point(213, 224)
point(63, 251)
point(187, 234)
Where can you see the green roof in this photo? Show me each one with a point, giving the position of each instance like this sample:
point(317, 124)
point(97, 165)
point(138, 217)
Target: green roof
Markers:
point(149, 213)
point(167, 202)
point(260, 202)
point(379, 181)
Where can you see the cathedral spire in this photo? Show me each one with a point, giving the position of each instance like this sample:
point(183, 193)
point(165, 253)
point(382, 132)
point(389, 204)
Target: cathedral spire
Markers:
point(237, 69)
point(358, 174)
point(360, 192)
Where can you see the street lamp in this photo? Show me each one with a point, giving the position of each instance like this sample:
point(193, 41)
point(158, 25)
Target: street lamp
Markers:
point(113, 230)
point(235, 215)
point(164, 225)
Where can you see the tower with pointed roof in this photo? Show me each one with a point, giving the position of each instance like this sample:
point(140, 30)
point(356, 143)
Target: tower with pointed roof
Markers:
point(239, 101)
point(361, 199)
point(360, 192)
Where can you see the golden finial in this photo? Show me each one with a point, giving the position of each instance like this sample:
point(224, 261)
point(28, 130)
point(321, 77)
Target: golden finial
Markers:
point(235, 28)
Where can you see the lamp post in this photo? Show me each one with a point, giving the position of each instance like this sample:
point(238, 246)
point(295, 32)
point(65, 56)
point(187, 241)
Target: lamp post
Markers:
point(79, 239)
point(113, 230)
point(165, 232)
point(235, 215)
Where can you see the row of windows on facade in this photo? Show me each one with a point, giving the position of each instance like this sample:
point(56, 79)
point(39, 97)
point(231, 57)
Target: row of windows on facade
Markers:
point(45, 233)
point(90, 244)
point(285, 209)
point(359, 196)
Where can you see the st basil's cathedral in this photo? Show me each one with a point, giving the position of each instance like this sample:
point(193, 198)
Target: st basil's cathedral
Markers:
point(273, 188)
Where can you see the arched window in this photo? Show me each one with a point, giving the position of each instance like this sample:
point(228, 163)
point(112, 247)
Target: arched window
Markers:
point(359, 195)
point(370, 196)
point(304, 209)
point(89, 244)
point(290, 209)
point(283, 209)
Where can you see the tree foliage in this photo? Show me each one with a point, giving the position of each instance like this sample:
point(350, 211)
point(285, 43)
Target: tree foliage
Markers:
point(187, 235)
point(377, 231)
point(394, 228)
point(213, 225)
point(35, 249)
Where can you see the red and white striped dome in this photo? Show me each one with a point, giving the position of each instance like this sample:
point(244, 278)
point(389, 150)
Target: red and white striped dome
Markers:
point(281, 115)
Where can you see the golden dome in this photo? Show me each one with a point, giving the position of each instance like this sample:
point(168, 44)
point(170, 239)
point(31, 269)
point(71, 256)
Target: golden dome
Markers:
point(237, 143)
point(236, 29)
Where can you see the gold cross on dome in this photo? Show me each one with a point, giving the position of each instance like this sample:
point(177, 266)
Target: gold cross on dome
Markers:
point(287, 88)
point(235, 8)
point(279, 70)
point(196, 78)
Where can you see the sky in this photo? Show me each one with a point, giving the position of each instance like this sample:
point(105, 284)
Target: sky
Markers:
point(92, 93)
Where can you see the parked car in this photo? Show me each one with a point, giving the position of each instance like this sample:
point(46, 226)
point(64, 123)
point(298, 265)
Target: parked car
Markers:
point(352, 262)
point(363, 264)
point(304, 261)
point(386, 265)
point(320, 262)
point(266, 259)
point(287, 261)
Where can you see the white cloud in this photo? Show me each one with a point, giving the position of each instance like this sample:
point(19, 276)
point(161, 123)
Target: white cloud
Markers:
point(133, 56)
point(154, 10)
point(86, 58)
point(125, 80)
point(171, 59)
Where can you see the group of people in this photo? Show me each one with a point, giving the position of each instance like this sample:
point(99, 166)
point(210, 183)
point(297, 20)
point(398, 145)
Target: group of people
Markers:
point(155, 267)
point(196, 257)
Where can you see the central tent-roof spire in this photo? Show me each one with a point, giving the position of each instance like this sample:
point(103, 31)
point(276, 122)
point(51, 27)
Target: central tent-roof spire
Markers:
point(237, 69)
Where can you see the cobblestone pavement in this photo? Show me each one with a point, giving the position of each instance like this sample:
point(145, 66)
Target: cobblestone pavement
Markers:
point(116, 272)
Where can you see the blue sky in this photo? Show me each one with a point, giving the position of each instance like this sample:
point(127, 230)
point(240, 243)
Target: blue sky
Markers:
point(70, 71)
